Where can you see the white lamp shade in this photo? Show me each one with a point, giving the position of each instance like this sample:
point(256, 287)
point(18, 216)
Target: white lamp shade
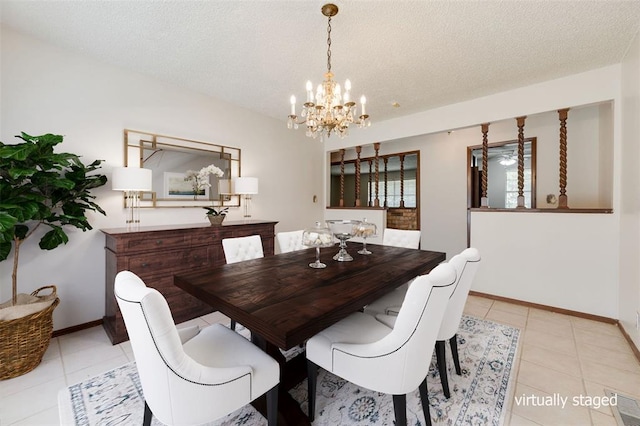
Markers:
point(131, 179)
point(245, 185)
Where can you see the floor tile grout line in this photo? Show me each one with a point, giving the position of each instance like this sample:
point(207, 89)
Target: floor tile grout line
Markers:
point(582, 379)
point(553, 368)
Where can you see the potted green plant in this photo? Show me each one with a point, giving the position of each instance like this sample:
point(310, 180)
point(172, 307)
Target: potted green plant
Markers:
point(216, 216)
point(37, 187)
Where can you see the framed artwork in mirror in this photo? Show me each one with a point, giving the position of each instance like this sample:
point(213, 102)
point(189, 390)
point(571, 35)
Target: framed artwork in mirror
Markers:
point(176, 185)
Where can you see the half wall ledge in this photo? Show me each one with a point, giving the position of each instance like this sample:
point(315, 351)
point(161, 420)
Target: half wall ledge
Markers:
point(554, 210)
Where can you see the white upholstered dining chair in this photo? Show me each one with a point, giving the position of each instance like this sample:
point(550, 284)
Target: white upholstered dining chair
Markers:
point(366, 352)
point(240, 249)
point(289, 241)
point(191, 376)
point(387, 308)
point(407, 238)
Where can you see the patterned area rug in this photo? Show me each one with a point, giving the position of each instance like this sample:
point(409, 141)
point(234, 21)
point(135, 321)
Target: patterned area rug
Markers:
point(478, 397)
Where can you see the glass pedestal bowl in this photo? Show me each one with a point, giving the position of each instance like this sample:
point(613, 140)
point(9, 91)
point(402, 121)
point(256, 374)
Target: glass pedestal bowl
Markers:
point(318, 236)
point(365, 230)
point(343, 230)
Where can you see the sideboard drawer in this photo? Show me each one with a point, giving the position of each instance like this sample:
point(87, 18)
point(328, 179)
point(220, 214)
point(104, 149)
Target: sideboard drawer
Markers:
point(163, 242)
point(167, 261)
point(208, 238)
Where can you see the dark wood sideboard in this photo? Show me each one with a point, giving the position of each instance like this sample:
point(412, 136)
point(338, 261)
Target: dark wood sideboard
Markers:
point(157, 253)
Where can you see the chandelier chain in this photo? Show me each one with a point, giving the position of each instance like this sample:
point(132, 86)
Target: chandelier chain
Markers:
point(329, 45)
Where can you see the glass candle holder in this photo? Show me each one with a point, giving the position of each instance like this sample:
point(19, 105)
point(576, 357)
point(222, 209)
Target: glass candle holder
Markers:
point(318, 236)
point(343, 230)
point(365, 230)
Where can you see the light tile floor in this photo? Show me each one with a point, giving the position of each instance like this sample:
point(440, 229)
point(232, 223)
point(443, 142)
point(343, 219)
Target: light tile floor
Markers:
point(559, 357)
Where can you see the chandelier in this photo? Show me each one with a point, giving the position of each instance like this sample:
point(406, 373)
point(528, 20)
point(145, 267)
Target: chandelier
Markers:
point(329, 110)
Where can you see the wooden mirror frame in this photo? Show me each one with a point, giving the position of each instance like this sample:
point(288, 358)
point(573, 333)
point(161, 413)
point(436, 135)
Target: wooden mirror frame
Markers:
point(473, 178)
point(140, 147)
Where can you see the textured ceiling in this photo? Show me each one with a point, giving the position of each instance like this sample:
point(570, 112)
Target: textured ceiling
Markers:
point(421, 54)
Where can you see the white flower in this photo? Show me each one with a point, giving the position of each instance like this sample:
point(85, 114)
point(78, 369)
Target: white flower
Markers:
point(200, 179)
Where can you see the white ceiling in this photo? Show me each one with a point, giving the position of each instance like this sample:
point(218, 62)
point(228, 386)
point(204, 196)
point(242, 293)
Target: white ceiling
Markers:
point(421, 54)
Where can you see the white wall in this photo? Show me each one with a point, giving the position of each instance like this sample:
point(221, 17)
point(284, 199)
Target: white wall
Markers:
point(48, 90)
point(630, 193)
point(443, 187)
point(566, 260)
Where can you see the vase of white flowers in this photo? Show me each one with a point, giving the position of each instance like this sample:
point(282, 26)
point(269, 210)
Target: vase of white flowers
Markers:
point(200, 179)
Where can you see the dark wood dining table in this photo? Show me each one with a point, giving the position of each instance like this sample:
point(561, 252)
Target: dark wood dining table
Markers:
point(283, 301)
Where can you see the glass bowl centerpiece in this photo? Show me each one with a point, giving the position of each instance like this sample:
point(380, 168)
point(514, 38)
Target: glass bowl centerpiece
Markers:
point(318, 236)
point(365, 230)
point(343, 230)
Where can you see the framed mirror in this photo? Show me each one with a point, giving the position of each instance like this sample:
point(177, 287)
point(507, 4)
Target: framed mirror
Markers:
point(502, 176)
point(398, 180)
point(175, 164)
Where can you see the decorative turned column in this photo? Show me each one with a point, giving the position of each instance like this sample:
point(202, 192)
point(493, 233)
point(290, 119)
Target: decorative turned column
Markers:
point(376, 201)
point(386, 180)
point(370, 185)
point(520, 121)
point(342, 178)
point(358, 150)
point(563, 202)
point(484, 200)
point(401, 181)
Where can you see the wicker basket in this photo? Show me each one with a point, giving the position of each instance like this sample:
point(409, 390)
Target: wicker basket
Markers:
point(25, 340)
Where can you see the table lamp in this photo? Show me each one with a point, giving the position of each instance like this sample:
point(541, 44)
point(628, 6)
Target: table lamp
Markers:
point(131, 180)
point(246, 186)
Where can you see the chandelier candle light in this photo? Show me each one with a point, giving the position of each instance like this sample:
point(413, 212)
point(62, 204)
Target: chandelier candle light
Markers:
point(330, 110)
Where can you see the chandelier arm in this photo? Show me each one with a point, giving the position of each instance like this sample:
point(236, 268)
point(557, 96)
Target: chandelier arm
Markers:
point(294, 117)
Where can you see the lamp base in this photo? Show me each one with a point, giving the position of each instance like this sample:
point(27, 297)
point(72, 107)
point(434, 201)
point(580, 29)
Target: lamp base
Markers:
point(133, 213)
point(247, 206)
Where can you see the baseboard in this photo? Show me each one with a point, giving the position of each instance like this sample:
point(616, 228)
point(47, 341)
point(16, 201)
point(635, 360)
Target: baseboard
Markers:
point(578, 314)
point(75, 328)
point(546, 307)
point(634, 348)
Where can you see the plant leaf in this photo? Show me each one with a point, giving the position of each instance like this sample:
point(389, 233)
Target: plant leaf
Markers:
point(5, 249)
point(21, 231)
point(53, 239)
point(7, 221)
point(17, 152)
